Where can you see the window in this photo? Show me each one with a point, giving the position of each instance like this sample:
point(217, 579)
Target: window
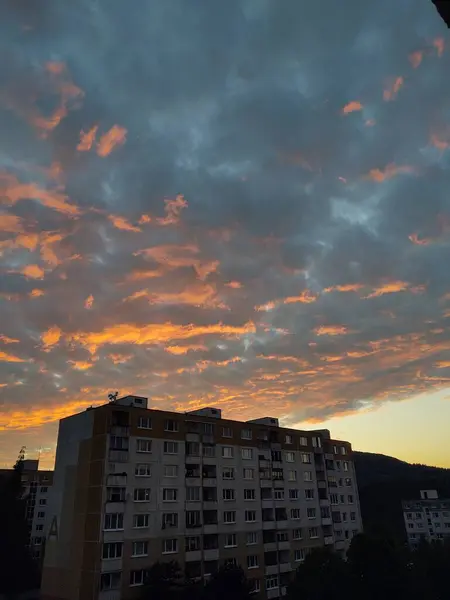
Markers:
point(303, 441)
point(143, 445)
point(252, 562)
point(42, 501)
point(115, 494)
point(288, 439)
point(348, 481)
point(228, 494)
point(113, 521)
point(141, 494)
point(170, 495)
point(192, 449)
point(313, 532)
point(246, 434)
point(193, 518)
point(410, 525)
point(209, 451)
point(230, 562)
point(39, 527)
point(306, 459)
point(299, 555)
point(309, 494)
point(230, 540)
point(352, 516)
point(112, 550)
point(307, 476)
point(272, 582)
point(342, 499)
point(350, 498)
point(297, 534)
point(293, 494)
point(140, 548)
point(170, 470)
point(249, 474)
point(192, 494)
point(170, 425)
point(343, 450)
point(110, 581)
point(345, 465)
point(143, 470)
point(292, 475)
point(169, 520)
point(277, 474)
point(278, 493)
point(290, 457)
point(170, 546)
point(37, 541)
point(252, 538)
point(227, 432)
point(118, 442)
point(170, 447)
point(227, 451)
point(137, 577)
point(228, 473)
point(249, 495)
point(229, 516)
point(41, 514)
point(140, 521)
point(250, 516)
point(144, 423)
point(295, 513)
point(247, 453)
point(282, 536)
point(254, 586)
point(44, 489)
point(311, 513)
point(192, 543)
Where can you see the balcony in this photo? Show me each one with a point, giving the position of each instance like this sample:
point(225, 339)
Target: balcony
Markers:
point(212, 554)
point(273, 593)
point(118, 455)
point(109, 595)
point(193, 555)
point(271, 570)
point(284, 545)
point(268, 525)
point(270, 547)
point(321, 484)
point(328, 540)
point(285, 567)
point(121, 430)
point(209, 481)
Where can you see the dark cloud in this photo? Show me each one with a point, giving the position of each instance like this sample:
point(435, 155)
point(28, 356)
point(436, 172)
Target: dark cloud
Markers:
point(188, 212)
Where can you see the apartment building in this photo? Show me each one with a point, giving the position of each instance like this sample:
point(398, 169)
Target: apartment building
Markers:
point(133, 486)
point(426, 518)
point(36, 486)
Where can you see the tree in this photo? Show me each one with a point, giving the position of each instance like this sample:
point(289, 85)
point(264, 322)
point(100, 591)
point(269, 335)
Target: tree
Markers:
point(18, 571)
point(323, 575)
point(164, 581)
point(228, 583)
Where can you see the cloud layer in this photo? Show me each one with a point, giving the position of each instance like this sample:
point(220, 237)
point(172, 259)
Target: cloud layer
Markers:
point(239, 203)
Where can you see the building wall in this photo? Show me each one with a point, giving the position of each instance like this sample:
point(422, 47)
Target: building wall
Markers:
point(427, 519)
point(101, 450)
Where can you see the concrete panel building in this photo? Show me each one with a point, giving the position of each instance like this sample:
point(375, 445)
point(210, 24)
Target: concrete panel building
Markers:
point(426, 518)
point(133, 486)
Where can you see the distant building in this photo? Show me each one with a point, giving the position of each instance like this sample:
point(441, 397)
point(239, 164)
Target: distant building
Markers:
point(36, 486)
point(134, 486)
point(427, 518)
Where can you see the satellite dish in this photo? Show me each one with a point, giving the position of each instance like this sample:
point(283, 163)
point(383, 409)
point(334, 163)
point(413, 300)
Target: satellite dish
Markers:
point(112, 397)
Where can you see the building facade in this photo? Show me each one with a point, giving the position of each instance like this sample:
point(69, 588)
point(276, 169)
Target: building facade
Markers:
point(426, 518)
point(133, 486)
point(36, 486)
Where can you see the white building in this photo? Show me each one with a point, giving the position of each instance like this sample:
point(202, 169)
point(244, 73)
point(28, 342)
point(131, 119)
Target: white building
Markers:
point(427, 518)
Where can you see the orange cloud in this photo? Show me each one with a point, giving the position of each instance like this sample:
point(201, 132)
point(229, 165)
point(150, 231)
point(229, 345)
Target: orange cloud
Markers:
point(51, 337)
point(235, 285)
point(144, 219)
point(197, 294)
point(370, 123)
point(89, 302)
point(87, 139)
point(331, 330)
point(439, 44)
point(394, 85)
point(116, 136)
point(389, 172)
point(173, 210)
point(10, 224)
point(5, 357)
point(439, 142)
point(179, 350)
point(349, 287)
point(7, 340)
point(141, 275)
point(443, 364)
point(33, 272)
point(119, 359)
point(155, 333)
point(415, 58)
point(12, 191)
point(305, 297)
point(389, 288)
point(36, 293)
point(419, 242)
point(353, 106)
point(172, 257)
point(122, 223)
point(81, 365)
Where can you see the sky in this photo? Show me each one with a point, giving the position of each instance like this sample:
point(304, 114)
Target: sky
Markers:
point(242, 204)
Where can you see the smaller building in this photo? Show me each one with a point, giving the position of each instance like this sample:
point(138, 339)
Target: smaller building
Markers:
point(426, 518)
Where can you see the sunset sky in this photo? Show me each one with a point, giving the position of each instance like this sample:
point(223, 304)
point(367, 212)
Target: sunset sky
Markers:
point(240, 203)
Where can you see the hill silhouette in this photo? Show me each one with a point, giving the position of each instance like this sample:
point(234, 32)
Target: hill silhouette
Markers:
point(383, 483)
